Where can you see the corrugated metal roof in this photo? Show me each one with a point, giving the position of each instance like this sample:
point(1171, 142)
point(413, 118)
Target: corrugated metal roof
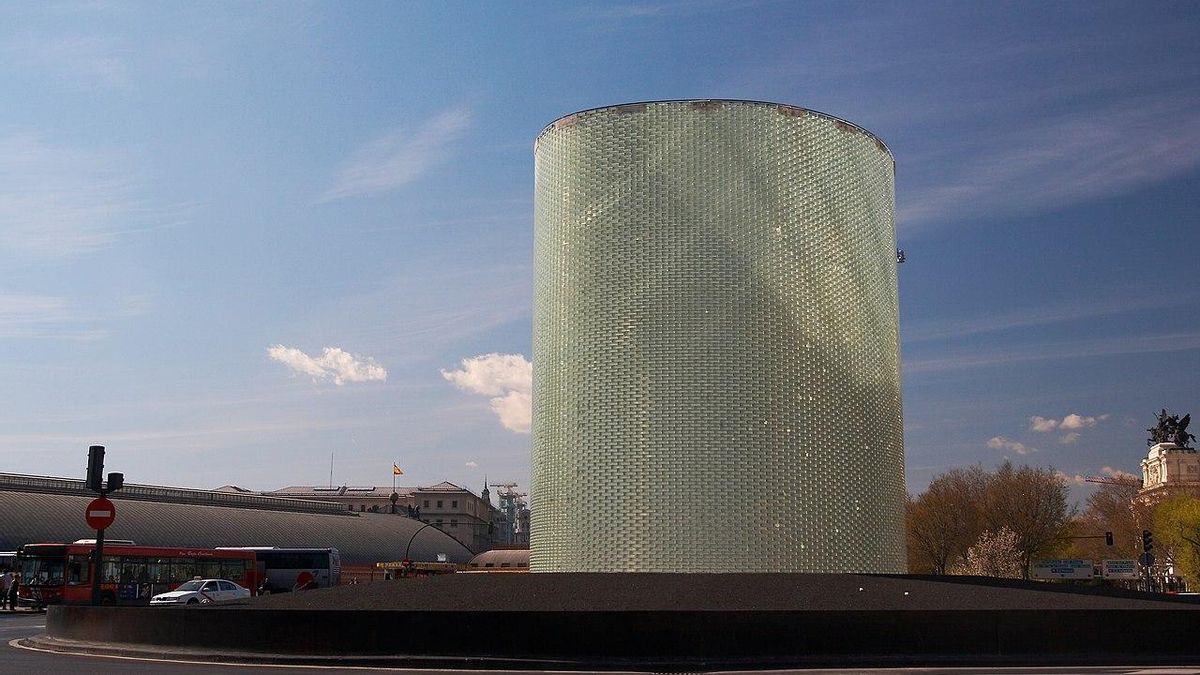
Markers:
point(362, 539)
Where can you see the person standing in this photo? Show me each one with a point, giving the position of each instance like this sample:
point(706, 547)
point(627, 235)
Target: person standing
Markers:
point(14, 583)
point(6, 580)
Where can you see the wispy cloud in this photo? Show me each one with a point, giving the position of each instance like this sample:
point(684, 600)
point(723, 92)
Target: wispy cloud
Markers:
point(397, 158)
point(1072, 310)
point(90, 62)
point(471, 464)
point(1002, 443)
point(507, 378)
point(51, 317)
point(1099, 152)
point(1173, 342)
point(333, 364)
point(58, 201)
point(1070, 438)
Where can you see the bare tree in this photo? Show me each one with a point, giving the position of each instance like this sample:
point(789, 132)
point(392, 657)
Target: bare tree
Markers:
point(945, 520)
point(1112, 508)
point(1032, 502)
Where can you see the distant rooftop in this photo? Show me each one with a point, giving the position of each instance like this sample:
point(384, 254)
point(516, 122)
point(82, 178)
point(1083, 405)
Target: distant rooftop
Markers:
point(227, 495)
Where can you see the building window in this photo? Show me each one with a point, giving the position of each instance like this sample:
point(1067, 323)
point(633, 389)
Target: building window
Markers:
point(362, 507)
point(453, 522)
point(426, 503)
point(439, 503)
point(350, 507)
point(454, 504)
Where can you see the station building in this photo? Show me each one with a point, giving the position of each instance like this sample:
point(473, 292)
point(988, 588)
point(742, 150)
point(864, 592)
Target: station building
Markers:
point(39, 509)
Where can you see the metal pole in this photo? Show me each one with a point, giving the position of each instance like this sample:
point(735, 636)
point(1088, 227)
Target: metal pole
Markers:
point(97, 566)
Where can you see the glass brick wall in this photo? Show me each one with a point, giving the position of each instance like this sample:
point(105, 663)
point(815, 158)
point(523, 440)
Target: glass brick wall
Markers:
point(716, 359)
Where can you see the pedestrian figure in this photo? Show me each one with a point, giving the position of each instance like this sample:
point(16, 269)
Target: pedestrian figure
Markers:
point(12, 592)
point(6, 581)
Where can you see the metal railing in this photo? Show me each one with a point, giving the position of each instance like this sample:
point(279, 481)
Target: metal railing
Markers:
point(12, 482)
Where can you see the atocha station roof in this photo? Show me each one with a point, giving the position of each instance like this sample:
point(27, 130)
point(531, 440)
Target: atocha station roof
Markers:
point(30, 512)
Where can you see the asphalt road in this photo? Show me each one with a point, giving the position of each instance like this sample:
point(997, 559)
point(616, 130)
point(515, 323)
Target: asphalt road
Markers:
point(14, 626)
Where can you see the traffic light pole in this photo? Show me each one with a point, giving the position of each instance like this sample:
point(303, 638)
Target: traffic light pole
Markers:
point(95, 483)
point(97, 565)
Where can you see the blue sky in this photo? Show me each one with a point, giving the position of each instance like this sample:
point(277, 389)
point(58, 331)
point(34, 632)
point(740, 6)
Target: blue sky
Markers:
point(236, 237)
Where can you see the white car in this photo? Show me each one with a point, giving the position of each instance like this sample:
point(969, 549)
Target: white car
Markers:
point(200, 591)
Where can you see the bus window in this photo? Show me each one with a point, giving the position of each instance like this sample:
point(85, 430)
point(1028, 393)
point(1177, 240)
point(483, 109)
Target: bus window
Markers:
point(41, 571)
point(183, 569)
point(133, 570)
point(234, 570)
point(158, 570)
point(78, 569)
point(112, 570)
point(208, 569)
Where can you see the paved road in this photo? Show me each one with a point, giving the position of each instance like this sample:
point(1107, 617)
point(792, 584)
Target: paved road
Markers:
point(14, 626)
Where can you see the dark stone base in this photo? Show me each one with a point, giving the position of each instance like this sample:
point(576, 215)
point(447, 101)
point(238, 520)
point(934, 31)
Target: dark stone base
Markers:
point(809, 621)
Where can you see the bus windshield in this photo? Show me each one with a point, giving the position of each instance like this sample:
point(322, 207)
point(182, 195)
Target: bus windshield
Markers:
point(39, 571)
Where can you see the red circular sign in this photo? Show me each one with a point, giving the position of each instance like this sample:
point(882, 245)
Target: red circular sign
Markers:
point(100, 513)
point(303, 580)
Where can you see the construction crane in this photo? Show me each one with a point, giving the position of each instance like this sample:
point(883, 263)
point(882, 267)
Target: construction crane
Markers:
point(509, 490)
point(1114, 480)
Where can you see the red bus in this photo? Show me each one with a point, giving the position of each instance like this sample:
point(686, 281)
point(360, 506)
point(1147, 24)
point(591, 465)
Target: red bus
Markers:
point(54, 574)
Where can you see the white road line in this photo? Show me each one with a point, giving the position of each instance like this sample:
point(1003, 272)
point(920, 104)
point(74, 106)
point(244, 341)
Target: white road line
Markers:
point(454, 671)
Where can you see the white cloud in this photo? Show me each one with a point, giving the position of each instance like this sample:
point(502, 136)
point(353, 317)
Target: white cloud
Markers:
point(333, 363)
point(1002, 443)
point(1037, 423)
point(394, 159)
point(1117, 473)
point(1071, 480)
point(507, 378)
point(472, 464)
point(1076, 421)
point(1070, 438)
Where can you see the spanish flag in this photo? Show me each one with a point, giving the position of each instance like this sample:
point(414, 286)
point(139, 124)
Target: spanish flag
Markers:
point(396, 471)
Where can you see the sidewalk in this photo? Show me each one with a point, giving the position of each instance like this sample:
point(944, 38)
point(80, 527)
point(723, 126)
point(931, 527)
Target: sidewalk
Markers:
point(20, 611)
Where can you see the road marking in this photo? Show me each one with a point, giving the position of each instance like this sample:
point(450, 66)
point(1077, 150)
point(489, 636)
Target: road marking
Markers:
point(16, 644)
point(40, 625)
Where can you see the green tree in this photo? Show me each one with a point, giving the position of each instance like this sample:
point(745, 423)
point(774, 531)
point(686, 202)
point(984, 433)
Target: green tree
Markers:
point(1177, 533)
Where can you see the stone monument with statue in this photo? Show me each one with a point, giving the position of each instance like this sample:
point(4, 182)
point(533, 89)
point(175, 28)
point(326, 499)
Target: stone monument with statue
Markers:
point(1171, 467)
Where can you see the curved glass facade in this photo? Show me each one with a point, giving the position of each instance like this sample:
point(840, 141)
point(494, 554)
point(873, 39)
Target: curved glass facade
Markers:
point(716, 358)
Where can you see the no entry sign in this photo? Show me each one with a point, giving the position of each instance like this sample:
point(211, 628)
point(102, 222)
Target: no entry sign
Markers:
point(100, 513)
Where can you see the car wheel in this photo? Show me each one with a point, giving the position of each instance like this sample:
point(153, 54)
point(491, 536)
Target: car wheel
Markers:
point(193, 601)
point(205, 601)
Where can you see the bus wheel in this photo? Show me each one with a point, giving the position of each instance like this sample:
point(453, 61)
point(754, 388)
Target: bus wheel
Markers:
point(108, 599)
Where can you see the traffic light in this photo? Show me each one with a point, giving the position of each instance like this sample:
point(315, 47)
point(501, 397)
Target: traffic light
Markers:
point(116, 481)
point(1147, 541)
point(95, 470)
point(1108, 539)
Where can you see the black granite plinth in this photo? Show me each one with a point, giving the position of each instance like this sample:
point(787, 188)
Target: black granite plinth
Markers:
point(661, 622)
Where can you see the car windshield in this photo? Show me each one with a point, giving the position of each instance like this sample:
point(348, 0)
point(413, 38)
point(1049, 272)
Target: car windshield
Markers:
point(190, 586)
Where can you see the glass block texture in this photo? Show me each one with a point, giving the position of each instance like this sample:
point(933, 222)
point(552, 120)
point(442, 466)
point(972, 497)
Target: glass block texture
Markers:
point(716, 362)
